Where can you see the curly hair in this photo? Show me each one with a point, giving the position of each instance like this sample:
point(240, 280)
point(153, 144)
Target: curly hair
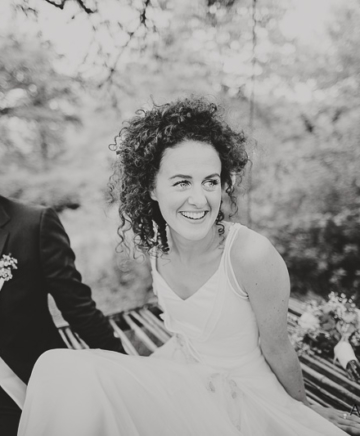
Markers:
point(140, 146)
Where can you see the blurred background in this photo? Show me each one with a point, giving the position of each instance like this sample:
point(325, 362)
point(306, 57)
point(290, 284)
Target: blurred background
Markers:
point(287, 72)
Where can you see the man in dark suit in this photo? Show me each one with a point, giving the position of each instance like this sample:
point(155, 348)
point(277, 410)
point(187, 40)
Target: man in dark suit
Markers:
point(34, 236)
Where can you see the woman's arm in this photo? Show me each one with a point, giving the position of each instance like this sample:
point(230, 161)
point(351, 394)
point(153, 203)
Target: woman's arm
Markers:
point(262, 273)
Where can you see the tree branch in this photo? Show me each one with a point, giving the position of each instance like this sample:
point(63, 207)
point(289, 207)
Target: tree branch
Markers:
point(81, 4)
point(26, 10)
point(142, 22)
point(113, 68)
point(143, 13)
point(85, 8)
point(57, 5)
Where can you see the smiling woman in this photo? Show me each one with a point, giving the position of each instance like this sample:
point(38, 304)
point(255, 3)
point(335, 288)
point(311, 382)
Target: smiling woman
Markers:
point(229, 368)
point(182, 132)
point(189, 203)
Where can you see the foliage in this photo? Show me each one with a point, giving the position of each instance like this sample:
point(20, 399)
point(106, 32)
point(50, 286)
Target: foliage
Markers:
point(37, 103)
point(322, 252)
point(306, 180)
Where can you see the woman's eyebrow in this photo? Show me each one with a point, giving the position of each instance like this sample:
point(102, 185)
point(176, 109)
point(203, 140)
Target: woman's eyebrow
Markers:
point(184, 176)
point(181, 176)
point(212, 175)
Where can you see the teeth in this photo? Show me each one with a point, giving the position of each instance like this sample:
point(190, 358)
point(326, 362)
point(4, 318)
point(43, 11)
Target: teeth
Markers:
point(194, 215)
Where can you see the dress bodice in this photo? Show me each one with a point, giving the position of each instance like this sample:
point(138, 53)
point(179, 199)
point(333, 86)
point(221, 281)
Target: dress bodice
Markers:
point(216, 324)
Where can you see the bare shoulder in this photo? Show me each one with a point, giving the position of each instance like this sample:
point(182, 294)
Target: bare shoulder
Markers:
point(251, 247)
point(257, 264)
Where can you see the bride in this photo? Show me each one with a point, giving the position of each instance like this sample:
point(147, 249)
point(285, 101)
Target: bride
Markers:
point(229, 368)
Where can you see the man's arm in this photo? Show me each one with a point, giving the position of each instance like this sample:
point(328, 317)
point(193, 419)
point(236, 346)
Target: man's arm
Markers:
point(63, 282)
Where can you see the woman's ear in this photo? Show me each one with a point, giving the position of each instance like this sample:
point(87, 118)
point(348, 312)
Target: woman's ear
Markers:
point(153, 195)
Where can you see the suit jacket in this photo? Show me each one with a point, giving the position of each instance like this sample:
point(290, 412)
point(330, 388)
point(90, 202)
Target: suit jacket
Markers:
point(35, 237)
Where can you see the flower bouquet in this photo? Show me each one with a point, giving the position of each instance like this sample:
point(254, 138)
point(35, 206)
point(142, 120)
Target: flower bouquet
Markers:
point(332, 329)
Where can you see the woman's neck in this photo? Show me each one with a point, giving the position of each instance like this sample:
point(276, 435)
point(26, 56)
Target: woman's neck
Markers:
point(187, 251)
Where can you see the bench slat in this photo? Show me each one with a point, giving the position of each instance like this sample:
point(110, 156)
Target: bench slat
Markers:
point(72, 339)
point(150, 327)
point(141, 335)
point(128, 346)
point(64, 338)
point(157, 324)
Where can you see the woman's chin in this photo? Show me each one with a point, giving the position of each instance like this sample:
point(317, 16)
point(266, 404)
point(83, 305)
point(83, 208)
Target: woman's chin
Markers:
point(192, 231)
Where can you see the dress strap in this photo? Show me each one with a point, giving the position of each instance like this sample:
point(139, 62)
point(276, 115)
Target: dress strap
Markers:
point(153, 257)
point(229, 271)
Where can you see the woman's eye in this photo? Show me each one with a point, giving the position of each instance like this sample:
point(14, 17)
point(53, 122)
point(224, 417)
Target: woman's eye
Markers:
point(182, 184)
point(211, 184)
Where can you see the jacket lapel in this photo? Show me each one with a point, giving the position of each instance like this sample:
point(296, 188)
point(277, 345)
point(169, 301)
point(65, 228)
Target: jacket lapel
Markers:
point(3, 238)
point(4, 218)
point(4, 234)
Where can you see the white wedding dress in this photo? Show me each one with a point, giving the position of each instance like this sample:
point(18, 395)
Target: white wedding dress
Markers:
point(209, 379)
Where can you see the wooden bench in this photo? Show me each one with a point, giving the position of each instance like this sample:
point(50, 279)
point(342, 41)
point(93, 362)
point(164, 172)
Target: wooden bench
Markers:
point(141, 331)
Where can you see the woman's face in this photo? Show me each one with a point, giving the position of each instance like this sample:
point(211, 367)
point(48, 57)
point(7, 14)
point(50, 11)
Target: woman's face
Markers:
point(188, 188)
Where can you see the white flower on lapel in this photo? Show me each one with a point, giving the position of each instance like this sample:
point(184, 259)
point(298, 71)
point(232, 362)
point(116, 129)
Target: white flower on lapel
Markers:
point(7, 264)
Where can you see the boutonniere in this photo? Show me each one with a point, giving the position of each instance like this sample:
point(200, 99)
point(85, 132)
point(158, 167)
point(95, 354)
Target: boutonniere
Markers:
point(7, 264)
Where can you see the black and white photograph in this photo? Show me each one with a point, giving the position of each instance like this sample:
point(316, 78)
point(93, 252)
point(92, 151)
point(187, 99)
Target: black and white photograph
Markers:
point(179, 218)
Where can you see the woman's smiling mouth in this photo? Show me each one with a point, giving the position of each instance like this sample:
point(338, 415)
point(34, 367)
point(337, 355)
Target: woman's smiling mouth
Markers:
point(194, 215)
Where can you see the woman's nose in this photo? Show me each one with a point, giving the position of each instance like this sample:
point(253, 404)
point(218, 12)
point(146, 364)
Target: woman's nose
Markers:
point(197, 198)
